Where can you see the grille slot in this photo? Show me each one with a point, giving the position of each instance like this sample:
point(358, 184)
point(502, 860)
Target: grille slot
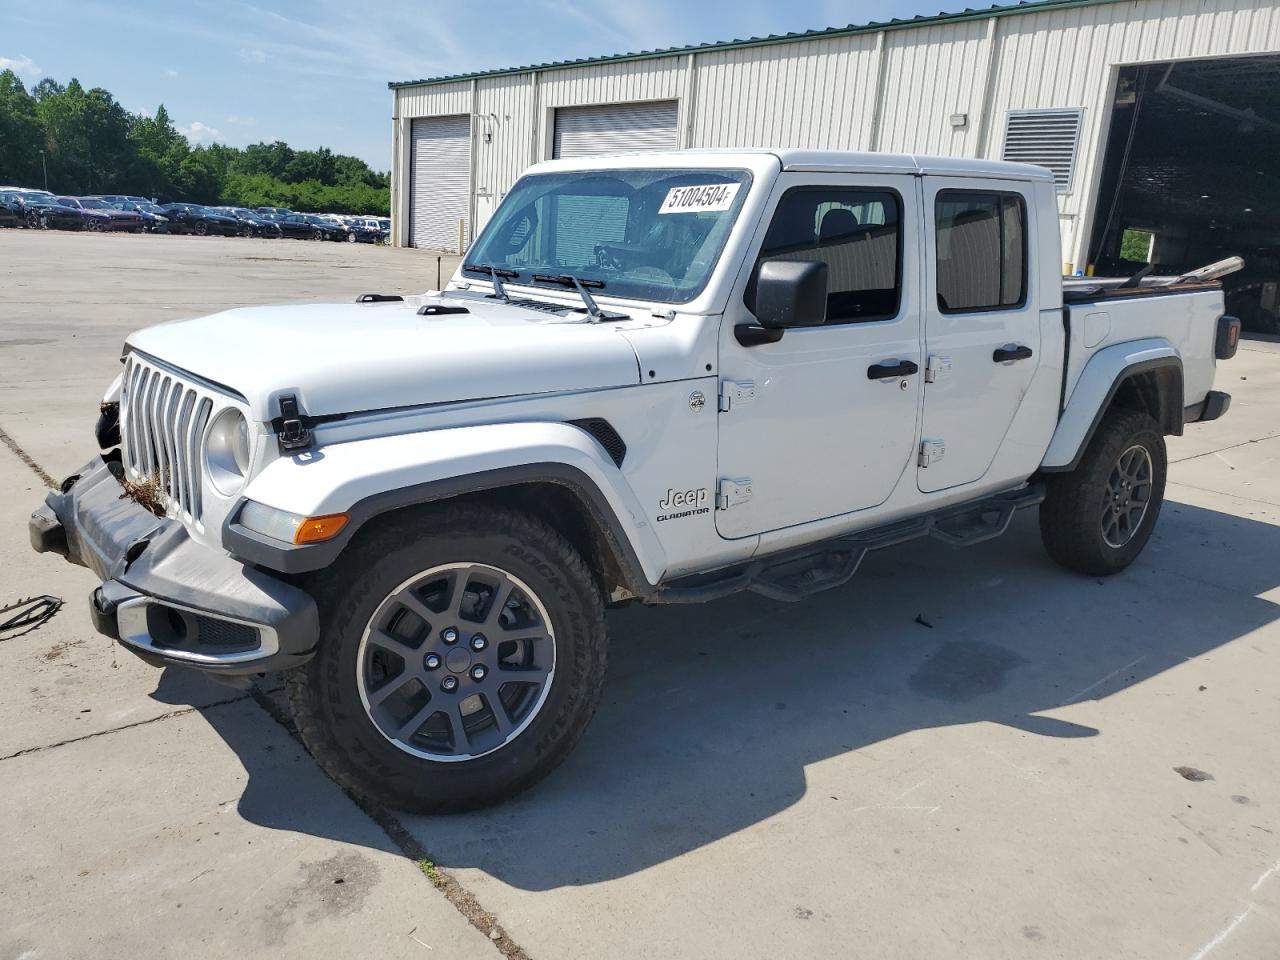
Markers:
point(163, 418)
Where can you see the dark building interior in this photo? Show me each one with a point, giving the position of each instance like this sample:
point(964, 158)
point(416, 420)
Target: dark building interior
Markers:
point(1192, 175)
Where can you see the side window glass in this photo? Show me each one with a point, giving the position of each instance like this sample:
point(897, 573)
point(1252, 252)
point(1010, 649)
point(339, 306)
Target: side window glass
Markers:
point(856, 233)
point(981, 251)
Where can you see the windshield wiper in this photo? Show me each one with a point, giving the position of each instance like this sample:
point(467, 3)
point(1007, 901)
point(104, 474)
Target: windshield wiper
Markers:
point(593, 308)
point(495, 274)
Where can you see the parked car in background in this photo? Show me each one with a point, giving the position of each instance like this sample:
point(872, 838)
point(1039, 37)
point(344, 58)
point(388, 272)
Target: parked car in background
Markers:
point(272, 213)
point(331, 229)
point(42, 211)
point(308, 226)
point(99, 215)
point(252, 224)
point(6, 188)
point(114, 198)
point(363, 230)
point(11, 213)
point(200, 220)
point(296, 226)
point(385, 224)
point(153, 218)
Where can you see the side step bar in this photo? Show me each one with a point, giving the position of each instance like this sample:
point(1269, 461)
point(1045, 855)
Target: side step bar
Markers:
point(795, 575)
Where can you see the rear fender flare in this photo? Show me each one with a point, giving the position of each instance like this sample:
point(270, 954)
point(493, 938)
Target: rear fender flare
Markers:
point(1102, 377)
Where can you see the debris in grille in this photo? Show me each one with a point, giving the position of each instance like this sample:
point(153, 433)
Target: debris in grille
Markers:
point(163, 419)
point(606, 436)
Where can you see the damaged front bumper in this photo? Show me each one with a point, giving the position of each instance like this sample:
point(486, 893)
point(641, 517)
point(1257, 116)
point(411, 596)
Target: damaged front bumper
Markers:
point(166, 597)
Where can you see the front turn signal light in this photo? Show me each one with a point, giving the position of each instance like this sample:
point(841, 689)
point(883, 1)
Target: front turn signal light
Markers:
point(319, 529)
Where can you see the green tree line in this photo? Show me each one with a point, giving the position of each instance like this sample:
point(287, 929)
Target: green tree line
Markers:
point(91, 144)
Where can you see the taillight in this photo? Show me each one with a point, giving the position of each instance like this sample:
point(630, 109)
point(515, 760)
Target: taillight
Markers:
point(1228, 338)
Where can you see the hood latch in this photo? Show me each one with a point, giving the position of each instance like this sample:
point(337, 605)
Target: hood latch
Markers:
point(292, 427)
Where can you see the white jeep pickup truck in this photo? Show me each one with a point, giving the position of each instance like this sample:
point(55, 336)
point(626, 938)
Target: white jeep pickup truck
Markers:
point(658, 378)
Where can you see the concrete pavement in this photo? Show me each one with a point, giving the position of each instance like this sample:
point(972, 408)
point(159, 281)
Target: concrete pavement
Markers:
point(961, 753)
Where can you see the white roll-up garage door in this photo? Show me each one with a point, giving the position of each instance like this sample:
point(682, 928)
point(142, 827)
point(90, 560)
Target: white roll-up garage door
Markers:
point(615, 128)
point(441, 174)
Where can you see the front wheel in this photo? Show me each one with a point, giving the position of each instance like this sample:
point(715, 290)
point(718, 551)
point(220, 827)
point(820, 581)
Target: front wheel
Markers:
point(1096, 519)
point(461, 657)
point(202, 229)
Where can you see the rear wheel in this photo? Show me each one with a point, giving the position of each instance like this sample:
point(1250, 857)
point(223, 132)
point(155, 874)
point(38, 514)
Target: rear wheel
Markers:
point(461, 658)
point(202, 229)
point(1096, 519)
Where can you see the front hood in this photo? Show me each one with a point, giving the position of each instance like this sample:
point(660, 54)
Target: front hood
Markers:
point(347, 357)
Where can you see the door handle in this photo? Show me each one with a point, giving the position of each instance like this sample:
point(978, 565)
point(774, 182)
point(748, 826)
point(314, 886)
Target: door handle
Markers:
point(891, 368)
point(1011, 352)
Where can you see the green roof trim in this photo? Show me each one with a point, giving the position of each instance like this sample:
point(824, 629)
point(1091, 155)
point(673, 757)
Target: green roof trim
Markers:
point(1006, 10)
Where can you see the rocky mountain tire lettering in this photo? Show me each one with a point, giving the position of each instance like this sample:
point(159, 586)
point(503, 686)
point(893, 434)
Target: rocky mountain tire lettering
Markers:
point(695, 500)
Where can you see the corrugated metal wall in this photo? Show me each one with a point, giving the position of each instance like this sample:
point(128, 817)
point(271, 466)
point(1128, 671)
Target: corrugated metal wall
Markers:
point(892, 90)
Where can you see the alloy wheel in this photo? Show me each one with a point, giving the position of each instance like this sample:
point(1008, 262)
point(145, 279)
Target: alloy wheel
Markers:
point(456, 662)
point(1127, 497)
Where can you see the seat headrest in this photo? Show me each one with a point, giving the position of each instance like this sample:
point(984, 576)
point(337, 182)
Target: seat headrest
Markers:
point(837, 222)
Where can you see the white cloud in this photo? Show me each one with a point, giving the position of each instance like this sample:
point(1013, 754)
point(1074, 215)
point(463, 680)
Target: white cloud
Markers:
point(170, 72)
point(252, 55)
point(23, 66)
point(199, 132)
point(239, 121)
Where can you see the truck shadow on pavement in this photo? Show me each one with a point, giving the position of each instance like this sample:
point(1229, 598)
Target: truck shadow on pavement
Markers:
point(712, 713)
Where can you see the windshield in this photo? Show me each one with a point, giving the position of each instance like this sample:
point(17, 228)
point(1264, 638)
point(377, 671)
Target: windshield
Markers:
point(93, 204)
point(639, 234)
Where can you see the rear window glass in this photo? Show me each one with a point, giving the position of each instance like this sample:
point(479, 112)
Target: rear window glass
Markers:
point(982, 251)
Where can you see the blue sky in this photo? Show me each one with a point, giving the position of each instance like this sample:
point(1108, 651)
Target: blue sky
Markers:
point(314, 72)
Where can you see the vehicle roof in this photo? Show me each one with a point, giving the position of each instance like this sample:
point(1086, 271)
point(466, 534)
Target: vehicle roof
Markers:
point(825, 161)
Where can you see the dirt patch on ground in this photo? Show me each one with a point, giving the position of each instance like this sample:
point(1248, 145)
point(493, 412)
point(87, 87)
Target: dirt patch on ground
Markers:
point(334, 888)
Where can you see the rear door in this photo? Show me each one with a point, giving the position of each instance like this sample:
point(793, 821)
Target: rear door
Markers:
point(982, 329)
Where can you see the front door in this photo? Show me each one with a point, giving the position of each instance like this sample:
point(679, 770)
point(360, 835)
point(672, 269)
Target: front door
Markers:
point(823, 421)
point(982, 327)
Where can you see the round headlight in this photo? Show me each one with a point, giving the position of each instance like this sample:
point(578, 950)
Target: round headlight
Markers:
point(226, 451)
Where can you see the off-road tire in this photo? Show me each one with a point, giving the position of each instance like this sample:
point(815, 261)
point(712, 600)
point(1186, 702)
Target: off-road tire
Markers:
point(1071, 517)
point(324, 695)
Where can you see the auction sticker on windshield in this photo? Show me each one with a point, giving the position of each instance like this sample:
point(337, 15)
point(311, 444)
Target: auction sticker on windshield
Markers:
point(704, 198)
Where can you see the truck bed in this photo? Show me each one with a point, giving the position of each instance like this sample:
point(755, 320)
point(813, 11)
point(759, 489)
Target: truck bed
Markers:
point(1101, 314)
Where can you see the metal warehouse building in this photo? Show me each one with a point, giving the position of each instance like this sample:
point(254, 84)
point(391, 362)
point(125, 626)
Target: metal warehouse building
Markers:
point(1159, 118)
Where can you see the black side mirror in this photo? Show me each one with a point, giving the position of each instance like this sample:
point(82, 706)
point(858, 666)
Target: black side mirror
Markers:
point(789, 293)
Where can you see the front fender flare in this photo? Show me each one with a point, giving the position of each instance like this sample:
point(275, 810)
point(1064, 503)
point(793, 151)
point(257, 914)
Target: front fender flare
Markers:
point(366, 478)
point(1097, 385)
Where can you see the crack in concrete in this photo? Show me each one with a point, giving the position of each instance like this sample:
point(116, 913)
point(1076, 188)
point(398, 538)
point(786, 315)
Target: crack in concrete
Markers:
point(1222, 493)
point(26, 458)
point(128, 726)
point(459, 897)
point(1209, 453)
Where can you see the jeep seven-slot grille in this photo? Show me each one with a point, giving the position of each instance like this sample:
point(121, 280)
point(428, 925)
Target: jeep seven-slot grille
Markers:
point(162, 423)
